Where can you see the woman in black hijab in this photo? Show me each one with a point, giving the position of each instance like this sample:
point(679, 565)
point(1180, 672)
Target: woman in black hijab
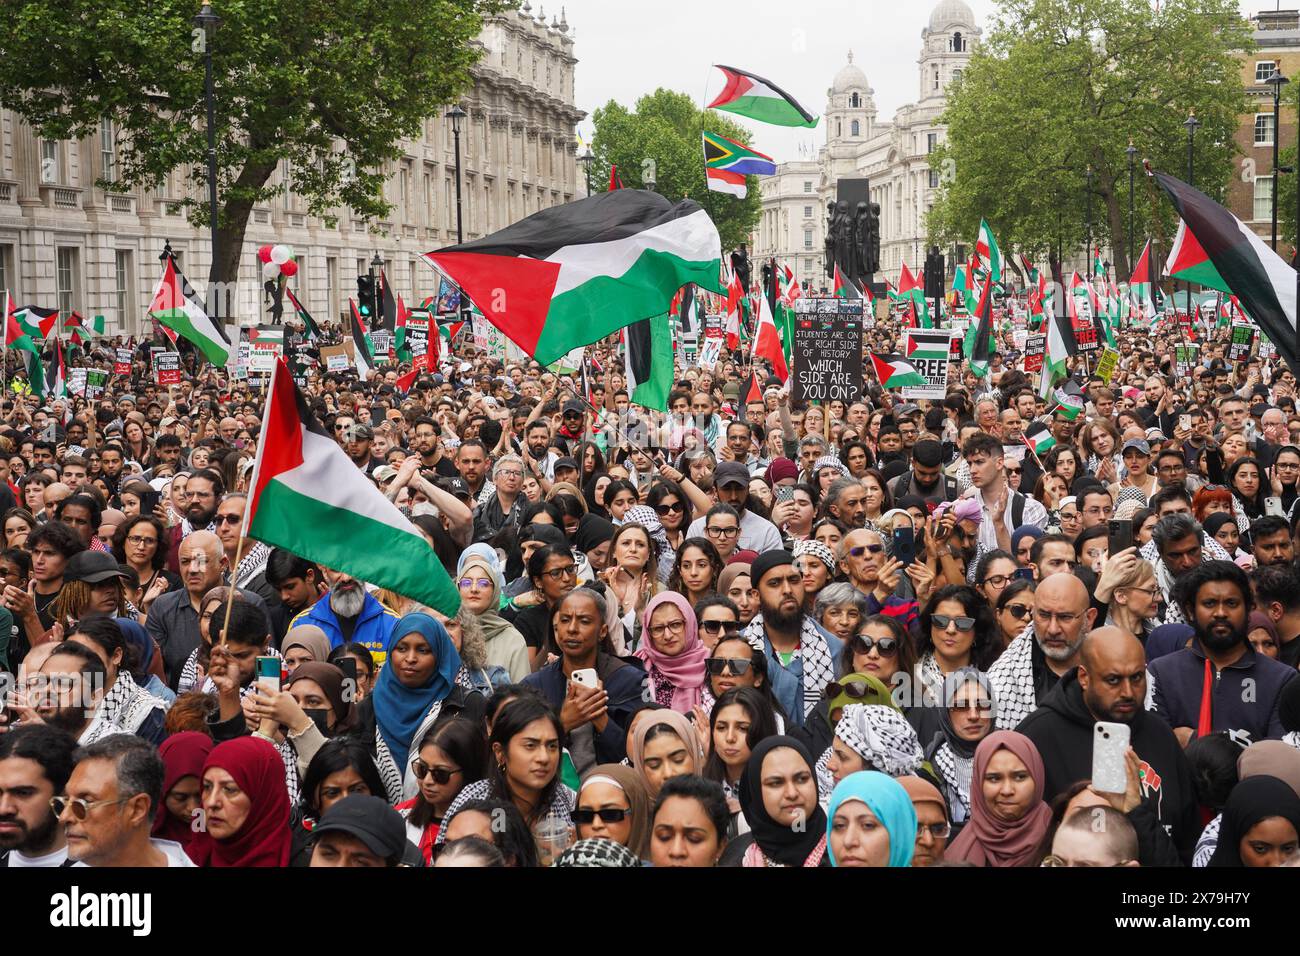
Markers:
point(1261, 824)
point(778, 797)
point(592, 539)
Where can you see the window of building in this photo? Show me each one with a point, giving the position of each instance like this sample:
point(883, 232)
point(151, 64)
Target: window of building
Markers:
point(428, 199)
point(839, 128)
point(107, 151)
point(807, 265)
point(807, 185)
point(807, 238)
point(956, 75)
point(931, 141)
point(1263, 198)
point(7, 275)
point(331, 287)
point(958, 44)
point(66, 278)
point(936, 77)
point(122, 284)
point(49, 161)
point(807, 212)
point(855, 128)
point(1264, 69)
point(934, 179)
point(854, 101)
point(1263, 129)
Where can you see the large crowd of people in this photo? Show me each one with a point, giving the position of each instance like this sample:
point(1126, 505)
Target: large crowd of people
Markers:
point(745, 631)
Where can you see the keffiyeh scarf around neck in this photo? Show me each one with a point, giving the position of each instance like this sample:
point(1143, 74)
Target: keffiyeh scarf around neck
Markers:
point(1211, 550)
point(818, 662)
point(251, 565)
point(1011, 679)
point(122, 710)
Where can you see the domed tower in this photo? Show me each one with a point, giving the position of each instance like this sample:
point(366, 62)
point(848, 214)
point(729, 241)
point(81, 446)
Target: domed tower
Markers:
point(850, 110)
point(946, 45)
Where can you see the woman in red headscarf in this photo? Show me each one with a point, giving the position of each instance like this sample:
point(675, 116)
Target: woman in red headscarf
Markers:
point(246, 804)
point(183, 756)
point(1008, 816)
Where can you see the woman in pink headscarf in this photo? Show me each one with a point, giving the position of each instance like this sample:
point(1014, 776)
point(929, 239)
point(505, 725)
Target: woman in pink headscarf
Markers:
point(673, 652)
point(1008, 817)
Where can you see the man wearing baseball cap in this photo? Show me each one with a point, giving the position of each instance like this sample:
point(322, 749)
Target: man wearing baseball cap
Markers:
point(731, 479)
point(359, 831)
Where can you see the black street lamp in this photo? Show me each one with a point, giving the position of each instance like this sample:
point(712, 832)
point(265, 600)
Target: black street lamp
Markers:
point(1087, 251)
point(1192, 124)
point(376, 307)
point(1132, 152)
point(207, 21)
point(1276, 81)
point(587, 158)
point(457, 116)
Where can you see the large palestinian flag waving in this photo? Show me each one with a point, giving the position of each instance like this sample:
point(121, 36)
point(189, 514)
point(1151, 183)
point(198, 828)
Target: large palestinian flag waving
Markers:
point(177, 307)
point(309, 498)
point(748, 94)
point(572, 274)
point(1259, 278)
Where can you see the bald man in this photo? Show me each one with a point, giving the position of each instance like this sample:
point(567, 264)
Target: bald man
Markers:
point(174, 618)
point(1030, 668)
point(1110, 684)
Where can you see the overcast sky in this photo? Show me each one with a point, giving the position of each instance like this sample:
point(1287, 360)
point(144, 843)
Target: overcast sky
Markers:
point(626, 49)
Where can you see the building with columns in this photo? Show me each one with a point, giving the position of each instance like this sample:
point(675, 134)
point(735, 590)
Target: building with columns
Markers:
point(66, 242)
point(893, 154)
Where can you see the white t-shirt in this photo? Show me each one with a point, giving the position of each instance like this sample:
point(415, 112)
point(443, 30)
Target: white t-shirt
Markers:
point(756, 534)
point(57, 858)
point(175, 853)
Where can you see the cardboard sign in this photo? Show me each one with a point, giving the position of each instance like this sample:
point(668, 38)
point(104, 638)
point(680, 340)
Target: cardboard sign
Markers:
point(1035, 350)
point(928, 351)
point(417, 333)
point(77, 381)
point(1187, 357)
point(1243, 340)
point(1107, 364)
point(96, 382)
point(381, 343)
point(337, 358)
point(265, 345)
point(122, 364)
point(711, 352)
point(1085, 333)
point(167, 368)
point(828, 351)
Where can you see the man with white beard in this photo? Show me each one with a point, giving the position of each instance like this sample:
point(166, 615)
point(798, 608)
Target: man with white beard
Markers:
point(348, 613)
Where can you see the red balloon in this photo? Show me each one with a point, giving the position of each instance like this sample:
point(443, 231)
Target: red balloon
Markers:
point(264, 253)
point(289, 268)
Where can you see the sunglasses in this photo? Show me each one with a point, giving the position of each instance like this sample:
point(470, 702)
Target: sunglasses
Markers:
point(584, 817)
point(941, 621)
point(227, 519)
point(863, 549)
point(717, 666)
point(855, 689)
point(713, 627)
point(80, 807)
point(441, 775)
point(887, 646)
point(1018, 611)
point(672, 509)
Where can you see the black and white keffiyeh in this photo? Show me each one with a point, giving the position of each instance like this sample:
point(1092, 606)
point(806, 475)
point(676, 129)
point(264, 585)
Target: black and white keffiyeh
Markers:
point(561, 807)
point(597, 853)
point(1012, 680)
point(882, 737)
point(122, 710)
point(399, 783)
point(930, 679)
point(818, 662)
point(955, 771)
point(645, 516)
point(1211, 550)
point(251, 565)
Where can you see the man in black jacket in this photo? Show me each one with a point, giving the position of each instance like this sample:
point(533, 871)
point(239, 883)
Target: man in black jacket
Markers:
point(1110, 684)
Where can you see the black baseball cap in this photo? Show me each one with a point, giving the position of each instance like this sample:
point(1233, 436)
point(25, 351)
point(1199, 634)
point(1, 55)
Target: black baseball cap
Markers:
point(93, 567)
point(371, 820)
point(574, 406)
point(562, 463)
point(730, 473)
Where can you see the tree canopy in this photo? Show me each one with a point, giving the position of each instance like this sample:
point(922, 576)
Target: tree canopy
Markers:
point(661, 136)
point(330, 87)
point(1061, 85)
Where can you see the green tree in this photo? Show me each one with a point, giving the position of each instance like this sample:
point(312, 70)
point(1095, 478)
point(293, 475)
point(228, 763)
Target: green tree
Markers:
point(660, 140)
point(1061, 85)
point(1285, 182)
point(328, 87)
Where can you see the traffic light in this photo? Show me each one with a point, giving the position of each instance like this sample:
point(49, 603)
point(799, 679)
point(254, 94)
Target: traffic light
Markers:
point(934, 274)
point(366, 296)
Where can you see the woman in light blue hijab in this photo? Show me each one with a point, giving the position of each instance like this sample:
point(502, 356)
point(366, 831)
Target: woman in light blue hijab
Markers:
point(870, 821)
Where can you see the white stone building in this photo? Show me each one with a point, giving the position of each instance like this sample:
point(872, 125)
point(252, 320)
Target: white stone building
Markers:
point(894, 155)
point(66, 242)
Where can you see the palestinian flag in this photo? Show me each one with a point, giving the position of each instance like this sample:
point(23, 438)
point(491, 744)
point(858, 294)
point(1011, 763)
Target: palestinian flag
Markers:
point(361, 348)
point(37, 322)
point(844, 289)
point(56, 376)
point(767, 344)
point(1189, 262)
point(570, 275)
point(309, 326)
point(911, 290)
point(988, 253)
point(979, 334)
point(688, 311)
point(1061, 344)
point(1261, 280)
point(79, 332)
point(1139, 286)
point(309, 498)
point(735, 311)
point(405, 382)
point(1039, 438)
point(926, 352)
point(19, 339)
point(399, 334)
point(963, 289)
point(894, 371)
point(176, 306)
point(748, 94)
point(1069, 400)
point(648, 362)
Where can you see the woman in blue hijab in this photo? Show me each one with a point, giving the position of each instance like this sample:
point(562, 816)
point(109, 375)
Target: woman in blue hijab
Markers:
point(870, 822)
point(422, 681)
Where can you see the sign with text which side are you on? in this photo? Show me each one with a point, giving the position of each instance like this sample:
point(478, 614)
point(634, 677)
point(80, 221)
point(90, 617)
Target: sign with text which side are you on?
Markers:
point(828, 350)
